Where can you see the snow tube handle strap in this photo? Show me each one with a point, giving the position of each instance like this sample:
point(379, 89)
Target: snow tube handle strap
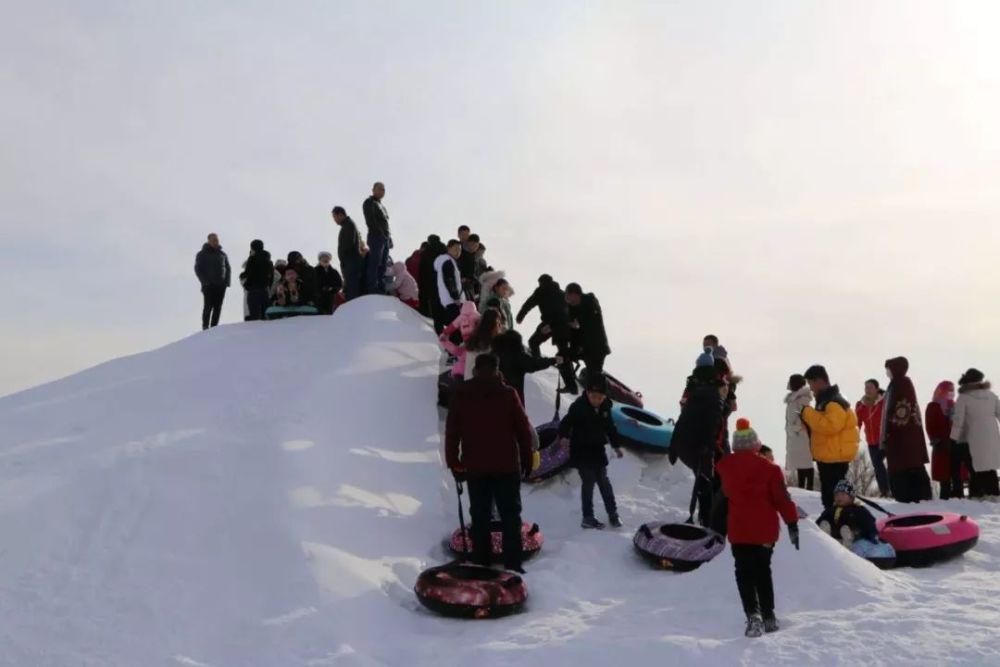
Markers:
point(644, 529)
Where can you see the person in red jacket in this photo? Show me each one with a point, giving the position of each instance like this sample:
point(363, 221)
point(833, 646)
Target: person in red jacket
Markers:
point(869, 411)
point(757, 495)
point(488, 442)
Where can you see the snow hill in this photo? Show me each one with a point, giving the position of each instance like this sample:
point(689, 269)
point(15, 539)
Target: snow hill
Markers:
point(266, 494)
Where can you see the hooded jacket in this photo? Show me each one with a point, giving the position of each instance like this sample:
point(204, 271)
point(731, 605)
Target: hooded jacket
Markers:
point(516, 362)
point(211, 265)
point(589, 429)
point(757, 495)
point(798, 454)
point(487, 431)
point(591, 336)
point(259, 271)
point(902, 425)
point(833, 428)
point(696, 434)
point(465, 324)
point(976, 412)
point(406, 286)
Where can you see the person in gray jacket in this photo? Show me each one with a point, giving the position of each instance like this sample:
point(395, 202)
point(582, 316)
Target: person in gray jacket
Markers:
point(211, 265)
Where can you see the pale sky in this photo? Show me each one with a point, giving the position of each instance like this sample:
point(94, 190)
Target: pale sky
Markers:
point(812, 181)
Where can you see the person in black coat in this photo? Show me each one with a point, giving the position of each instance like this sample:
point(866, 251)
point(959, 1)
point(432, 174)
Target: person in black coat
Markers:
point(427, 277)
point(307, 274)
point(515, 362)
point(328, 284)
point(551, 303)
point(258, 279)
point(590, 340)
point(846, 520)
point(211, 265)
point(350, 253)
point(379, 240)
point(471, 265)
point(589, 427)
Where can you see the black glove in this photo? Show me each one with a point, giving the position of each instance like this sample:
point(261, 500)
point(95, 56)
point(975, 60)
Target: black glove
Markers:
point(793, 534)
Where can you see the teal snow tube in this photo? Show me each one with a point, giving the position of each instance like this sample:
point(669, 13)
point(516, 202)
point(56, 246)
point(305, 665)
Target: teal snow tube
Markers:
point(642, 429)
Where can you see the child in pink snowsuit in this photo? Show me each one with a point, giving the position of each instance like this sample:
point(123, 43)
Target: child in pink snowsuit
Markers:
point(405, 286)
point(464, 324)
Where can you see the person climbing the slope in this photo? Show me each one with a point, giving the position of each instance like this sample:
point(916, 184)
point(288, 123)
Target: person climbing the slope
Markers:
point(589, 427)
point(551, 303)
point(481, 341)
point(833, 431)
point(870, 410)
point(351, 254)
point(903, 436)
point(798, 456)
point(847, 520)
point(757, 497)
point(258, 278)
point(328, 284)
point(454, 336)
point(975, 423)
point(495, 292)
point(379, 240)
point(938, 421)
point(448, 281)
point(516, 362)
point(488, 442)
point(211, 266)
point(587, 325)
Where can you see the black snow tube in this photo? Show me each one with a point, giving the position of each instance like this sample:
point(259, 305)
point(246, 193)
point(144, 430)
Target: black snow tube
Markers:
point(681, 547)
point(461, 590)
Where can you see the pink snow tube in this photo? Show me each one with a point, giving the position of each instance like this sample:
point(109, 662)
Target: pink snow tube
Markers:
point(923, 539)
point(531, 540)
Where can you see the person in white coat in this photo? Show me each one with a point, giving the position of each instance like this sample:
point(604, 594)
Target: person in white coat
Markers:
point(798, 455)
point(976, 413)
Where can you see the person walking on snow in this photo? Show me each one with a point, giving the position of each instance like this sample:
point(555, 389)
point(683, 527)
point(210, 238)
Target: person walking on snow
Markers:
point(757, 497)
point(379, 240)
point(903, 436)
point(449, 287)
point(798, 456)
point(350, 253)
point(938, 421)
point(258, 279)
point(847, 520)
point(211, 266)
point(488, 442)
point(976, 414)
point(869, 410)
point(833, 431)
point(587, 325)
point(589, 427)
point(551, 303)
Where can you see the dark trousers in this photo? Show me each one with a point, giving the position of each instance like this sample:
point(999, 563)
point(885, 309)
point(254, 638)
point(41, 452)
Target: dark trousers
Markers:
point(562, 349)
point(591, 476)
point(807, 478)
point(984, 483)
point(257, 298)
point(829, 475)
point(212, 310)
point(503, 490)
point(378, 260)
point(325, 301)
point(704, 491)
point(354, 278)
point(877, 455)
point(594, 363)
point(445, 315)
point(959, 454)
point(753, 578)
point(911, 485)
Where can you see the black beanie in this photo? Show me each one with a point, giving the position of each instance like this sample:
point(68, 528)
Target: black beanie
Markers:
point(972, 376)
point(257, 245)
point(544, 279)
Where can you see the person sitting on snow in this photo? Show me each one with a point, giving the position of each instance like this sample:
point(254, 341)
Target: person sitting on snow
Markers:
point(847, 520)
point(589, 427)
point(289, 291)
point(328, 283)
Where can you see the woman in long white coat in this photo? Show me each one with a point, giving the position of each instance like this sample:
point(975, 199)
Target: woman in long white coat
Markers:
point(976, 413)
point(798, 455)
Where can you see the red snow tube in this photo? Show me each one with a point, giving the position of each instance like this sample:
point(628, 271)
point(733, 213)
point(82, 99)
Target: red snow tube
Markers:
point(618, 391)
point(923, 539)
point(461, 590)
point(531, 540)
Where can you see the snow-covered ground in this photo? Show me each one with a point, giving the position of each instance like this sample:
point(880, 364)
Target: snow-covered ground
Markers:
point(266, 494)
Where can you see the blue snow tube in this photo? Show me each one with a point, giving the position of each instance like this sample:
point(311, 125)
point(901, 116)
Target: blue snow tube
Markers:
point(880, 553)
point(642, 429)
point(280, 312)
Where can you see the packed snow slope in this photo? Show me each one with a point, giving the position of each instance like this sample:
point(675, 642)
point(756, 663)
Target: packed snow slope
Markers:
point(266, 494)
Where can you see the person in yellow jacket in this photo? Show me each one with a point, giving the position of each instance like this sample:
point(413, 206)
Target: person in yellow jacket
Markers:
point(833, 432)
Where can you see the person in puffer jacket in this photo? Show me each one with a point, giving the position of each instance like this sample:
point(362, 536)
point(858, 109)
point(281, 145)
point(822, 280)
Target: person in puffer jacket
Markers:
point(461, 328)
point(847, 521)
point(405, 286)
point(833, 431)
point(757, 497)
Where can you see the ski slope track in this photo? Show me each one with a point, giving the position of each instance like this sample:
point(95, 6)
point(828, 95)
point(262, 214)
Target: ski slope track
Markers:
point(266, 494)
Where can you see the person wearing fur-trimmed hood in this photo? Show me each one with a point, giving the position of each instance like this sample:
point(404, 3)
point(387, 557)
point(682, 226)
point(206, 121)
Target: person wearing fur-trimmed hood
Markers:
point(976, 413)
point(798, 455)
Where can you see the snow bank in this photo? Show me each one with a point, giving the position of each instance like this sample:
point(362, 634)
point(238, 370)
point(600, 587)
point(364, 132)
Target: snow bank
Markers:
point(266, 493)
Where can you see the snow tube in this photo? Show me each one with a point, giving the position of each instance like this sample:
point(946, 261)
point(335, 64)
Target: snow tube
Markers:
point(880, 553)
point(678, 546)
point(640, 428)
point(618, 391)
point(553, 459)
point(531, 540)
point(923, 539)
point(279, 312)
point(468, 591)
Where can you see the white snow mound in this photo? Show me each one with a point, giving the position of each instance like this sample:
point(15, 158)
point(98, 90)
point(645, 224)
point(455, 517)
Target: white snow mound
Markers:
point(266, 494)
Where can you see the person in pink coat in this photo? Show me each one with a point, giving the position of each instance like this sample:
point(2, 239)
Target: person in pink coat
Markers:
point(461, 328)
point(405, 286)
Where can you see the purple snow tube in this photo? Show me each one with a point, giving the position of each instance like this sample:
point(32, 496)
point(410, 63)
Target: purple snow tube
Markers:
point(553, 458)
point(678, 546)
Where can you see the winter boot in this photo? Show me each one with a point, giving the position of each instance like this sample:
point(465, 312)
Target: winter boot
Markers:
point(614, 520)
point(771, 624)
point(591, 522)
point(846, 536)
point(755, 626)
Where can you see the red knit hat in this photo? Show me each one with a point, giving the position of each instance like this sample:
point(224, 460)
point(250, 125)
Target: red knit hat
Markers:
point(742, 424)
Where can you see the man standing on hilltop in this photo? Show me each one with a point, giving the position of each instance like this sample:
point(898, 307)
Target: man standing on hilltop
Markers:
point(587, 325)
point(351, 253)
point(833, 432)
point(379, 240)
point(211, 265)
